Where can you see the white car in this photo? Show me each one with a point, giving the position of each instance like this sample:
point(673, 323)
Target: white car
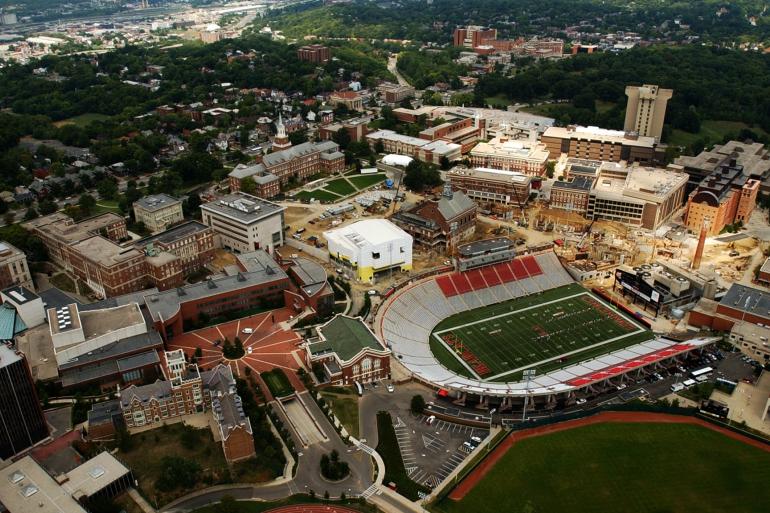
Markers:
point(621, 386)
point(581, 401)
point(391, 388)
point(247, 331)
point(248, 350)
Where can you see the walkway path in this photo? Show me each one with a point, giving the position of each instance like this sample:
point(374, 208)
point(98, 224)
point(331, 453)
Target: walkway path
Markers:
point(307, 476)
point(393, 68)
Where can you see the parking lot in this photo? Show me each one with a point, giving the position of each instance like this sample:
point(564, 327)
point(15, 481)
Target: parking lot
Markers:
point(432, 451)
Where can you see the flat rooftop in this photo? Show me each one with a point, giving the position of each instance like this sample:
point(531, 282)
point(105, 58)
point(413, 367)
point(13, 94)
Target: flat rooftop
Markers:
point(747, 299)
point(260, 268)
point(593, 133)
point(64, 229)
point(157, 202)
point(370, 232)
point(243, 208)
point(504, 147)
point(498, 175)
point(25, 487)
point(94, 475)
point(105, 252)
point(20, 295)
point(173, 234)
point(481, 247)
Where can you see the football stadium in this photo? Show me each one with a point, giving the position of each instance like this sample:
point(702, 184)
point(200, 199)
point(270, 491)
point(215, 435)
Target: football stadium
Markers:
point(508, 324)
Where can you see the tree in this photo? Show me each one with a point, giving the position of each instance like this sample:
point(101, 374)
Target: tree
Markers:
point(228, 504)
point(444, 162)
point(342, 137)
point(420, 176)
point(191, 206)
point(46, 207)
point(31, 214)
point(418, 404)
point(176, 472)
point(248, 185)
point(86, 203)
point(550, 167)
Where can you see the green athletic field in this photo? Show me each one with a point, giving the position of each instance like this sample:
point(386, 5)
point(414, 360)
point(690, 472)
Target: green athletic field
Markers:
point(640, 468)
point(544, 331)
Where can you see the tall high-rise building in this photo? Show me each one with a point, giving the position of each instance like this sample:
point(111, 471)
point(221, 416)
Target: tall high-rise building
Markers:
point(646, 110)
point(22, 423)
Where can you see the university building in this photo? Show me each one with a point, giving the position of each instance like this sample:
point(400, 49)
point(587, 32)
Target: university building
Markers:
point(439, 224)
point(491, 185)
point(244, 223)
point(317, 54)
point(415, 147)
point(91, 251)
point(348, 352)
point(595, 143)
point(186, 391)
point(526, 157)
point(288, 162)
point(158, 212)
point(725, 197)
point(14, 269)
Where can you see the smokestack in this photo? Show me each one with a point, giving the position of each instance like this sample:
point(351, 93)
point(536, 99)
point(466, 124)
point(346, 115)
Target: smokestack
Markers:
point(701, 242)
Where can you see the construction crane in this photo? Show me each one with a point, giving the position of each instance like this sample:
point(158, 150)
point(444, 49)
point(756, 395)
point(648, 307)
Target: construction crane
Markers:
point(523, 215)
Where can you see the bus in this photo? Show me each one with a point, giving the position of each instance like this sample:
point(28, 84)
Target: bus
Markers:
point(701, 372)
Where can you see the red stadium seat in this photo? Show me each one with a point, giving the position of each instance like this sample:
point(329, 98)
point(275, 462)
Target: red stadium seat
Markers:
point(461, 283)
point(446, 286)
point(519, 270)
point(475, 279)
point(532, 266)
point(504, 272)
point(490, 276)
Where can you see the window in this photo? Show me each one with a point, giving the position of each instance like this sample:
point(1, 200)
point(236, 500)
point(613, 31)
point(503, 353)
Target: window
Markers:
point(376, 256)
point(133, 375)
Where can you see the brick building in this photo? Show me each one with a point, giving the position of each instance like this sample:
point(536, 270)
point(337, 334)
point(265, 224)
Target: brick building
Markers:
point(600, 144)
point(473, 36)
point(255, 281)
point(439, 224)
point(90, 251)
point(395, 93)
point(420, 149)
point(725, 197)
point(186, 391)
point(297, 162)
point(13, 267)
point(491, 185)
point(352, 100)
point(527, 157)
point(348, 352)
point(739, 304)
point(571, 194)
point(356, 128)
point(317, 54)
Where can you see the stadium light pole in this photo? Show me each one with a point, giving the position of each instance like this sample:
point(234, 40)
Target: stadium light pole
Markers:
point(529, 374)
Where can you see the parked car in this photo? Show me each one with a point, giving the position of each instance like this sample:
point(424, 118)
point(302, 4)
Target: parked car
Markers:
point(391, 388)
point(581, 401)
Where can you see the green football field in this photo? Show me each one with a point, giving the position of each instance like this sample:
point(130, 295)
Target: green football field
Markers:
point(542, 331)
point(624, 467)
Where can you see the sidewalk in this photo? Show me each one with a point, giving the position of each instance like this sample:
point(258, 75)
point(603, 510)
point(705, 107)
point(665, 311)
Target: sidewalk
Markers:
point(139, 500)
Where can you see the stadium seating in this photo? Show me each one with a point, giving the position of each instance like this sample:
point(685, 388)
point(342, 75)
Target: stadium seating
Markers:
point(413, 312)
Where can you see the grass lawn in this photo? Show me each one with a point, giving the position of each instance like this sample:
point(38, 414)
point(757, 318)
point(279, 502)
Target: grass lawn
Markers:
point(318, 195)
point(103, 206)
point(83, 119)
point(366, 181)
point(499, 101)
point(345, 407)
point(63, 282)
point(391, 456)
point(260, 507)
point(278, 382)
point(340, 186)
point(150, 447)
point(714, 130)
point(644, 468)
point(513, 335)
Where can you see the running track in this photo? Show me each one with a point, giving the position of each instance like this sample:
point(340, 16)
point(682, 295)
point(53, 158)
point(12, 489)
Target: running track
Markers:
point(467, 484)
point(312, 508)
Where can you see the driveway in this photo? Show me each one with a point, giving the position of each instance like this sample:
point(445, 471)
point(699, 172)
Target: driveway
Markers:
point(307, 477)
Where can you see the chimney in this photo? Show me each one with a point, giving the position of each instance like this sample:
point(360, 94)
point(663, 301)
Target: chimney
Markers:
point(701, 243)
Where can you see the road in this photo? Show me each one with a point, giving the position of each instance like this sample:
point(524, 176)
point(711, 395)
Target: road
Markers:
point(307, 477)
point(393, 68)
